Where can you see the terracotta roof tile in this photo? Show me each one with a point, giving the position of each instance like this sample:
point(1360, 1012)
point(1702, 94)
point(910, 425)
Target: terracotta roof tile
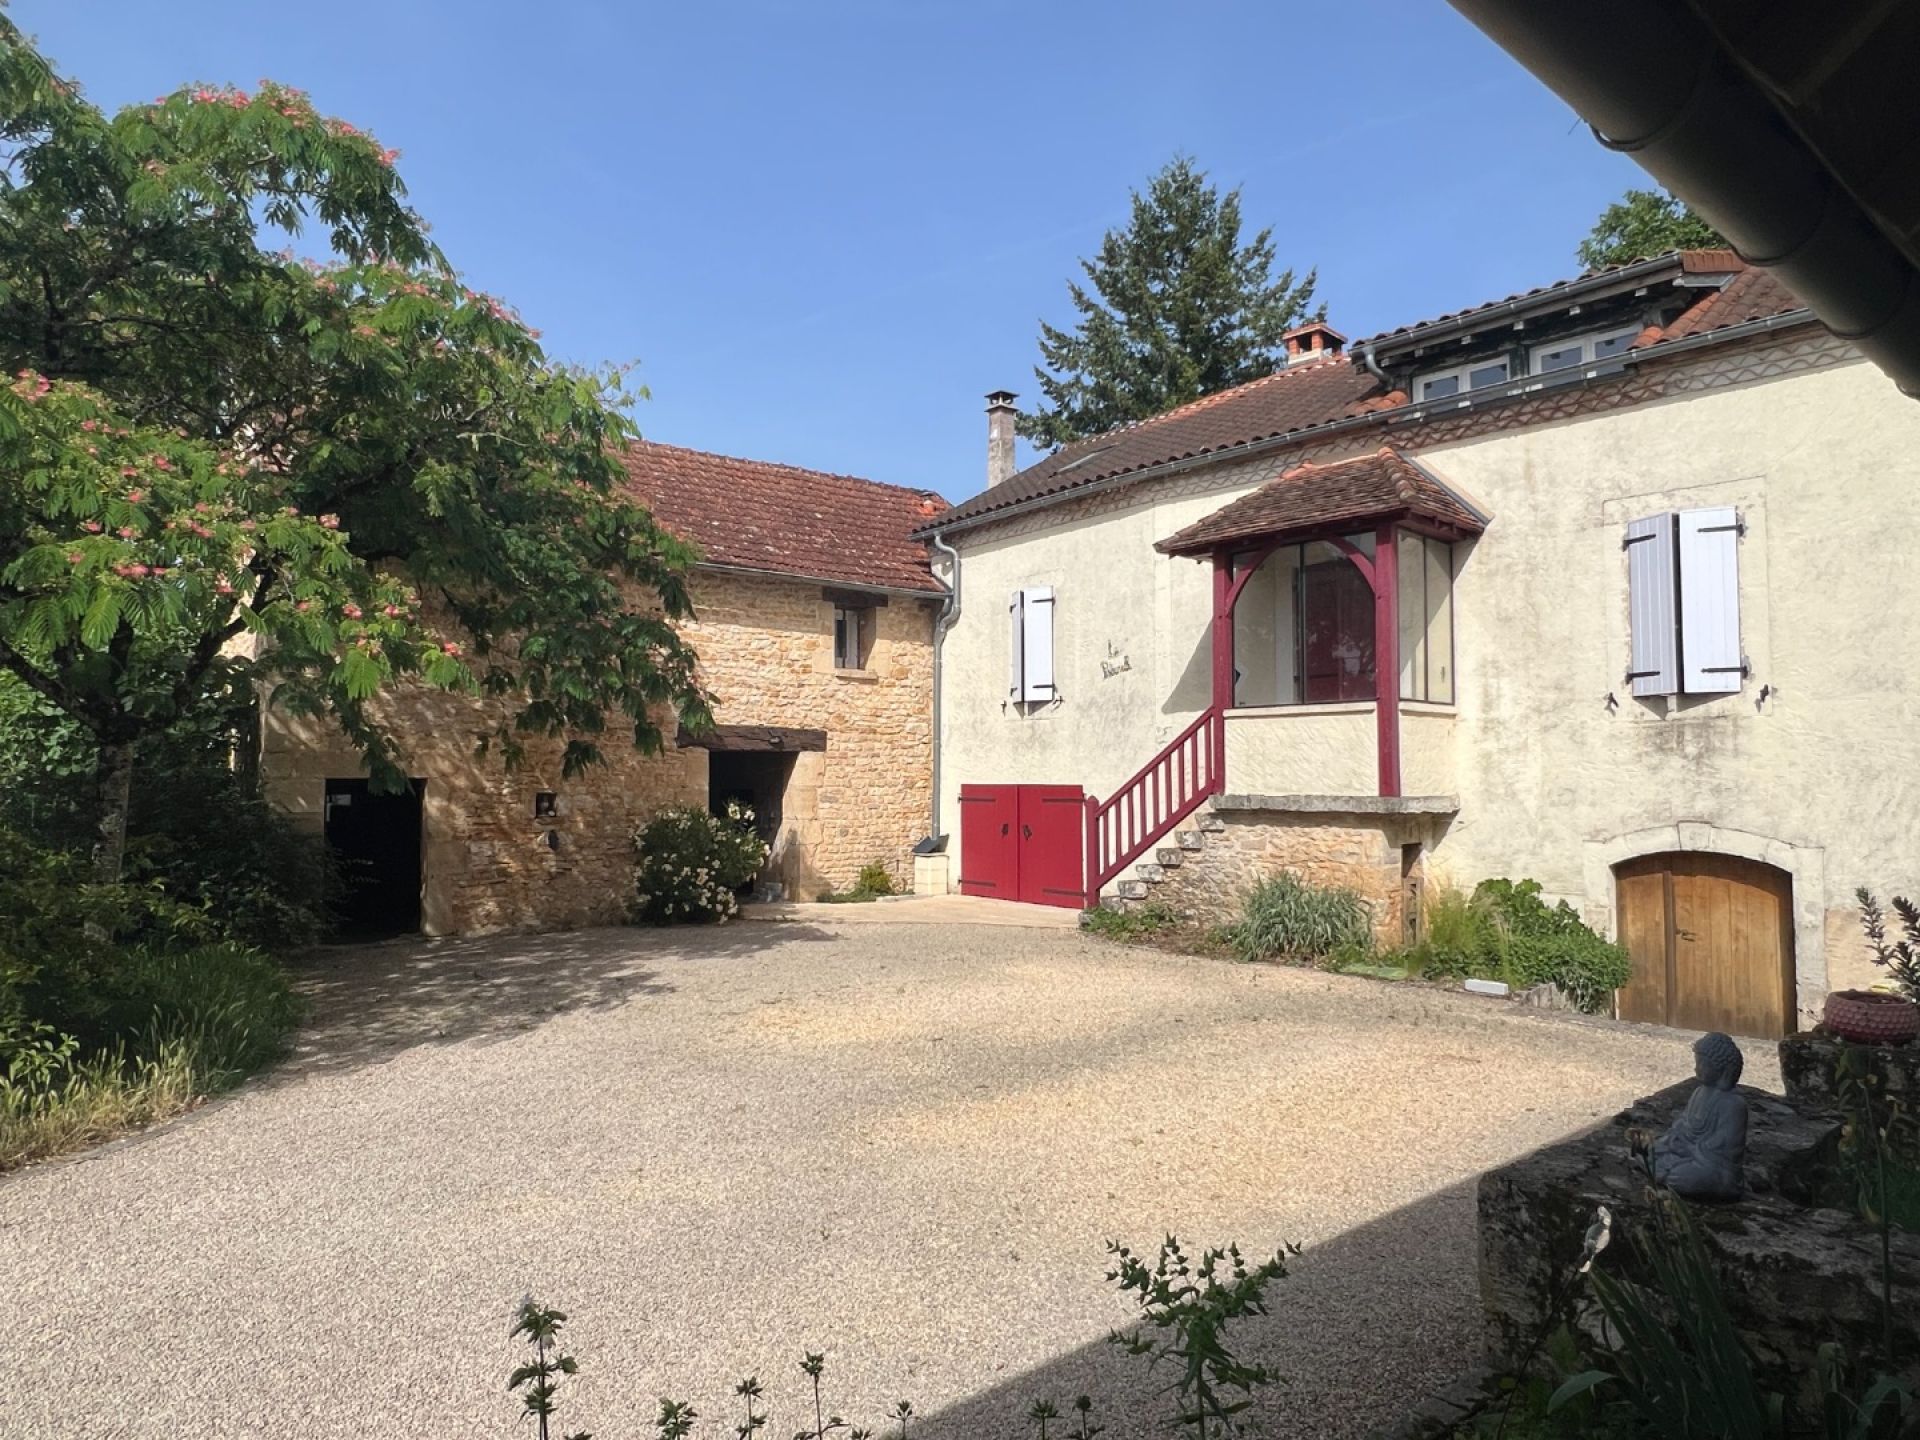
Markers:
point(1750, 295)
point(1282, 403)
point(1379, 486)
point(1303, 398)
point(787, 521)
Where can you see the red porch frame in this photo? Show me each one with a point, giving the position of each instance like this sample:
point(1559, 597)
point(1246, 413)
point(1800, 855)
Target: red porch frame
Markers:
point(1381, 571)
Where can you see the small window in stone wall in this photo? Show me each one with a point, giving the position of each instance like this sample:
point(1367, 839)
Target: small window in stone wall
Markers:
point(546, 805)
point(852, 636)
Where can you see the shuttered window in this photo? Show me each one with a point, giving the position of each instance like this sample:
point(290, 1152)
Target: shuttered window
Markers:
point(1030, 645)
point(1710, 658)
point(1683, 602)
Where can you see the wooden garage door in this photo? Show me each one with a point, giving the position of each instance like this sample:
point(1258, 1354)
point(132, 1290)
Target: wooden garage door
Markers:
point(1711, 938)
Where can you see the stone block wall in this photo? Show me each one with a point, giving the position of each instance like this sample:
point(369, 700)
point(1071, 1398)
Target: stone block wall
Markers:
point(1359, 852)
point(766, 654)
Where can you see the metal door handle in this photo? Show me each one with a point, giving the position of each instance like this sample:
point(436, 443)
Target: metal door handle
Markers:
point(1003, 829)
point(1026, 832)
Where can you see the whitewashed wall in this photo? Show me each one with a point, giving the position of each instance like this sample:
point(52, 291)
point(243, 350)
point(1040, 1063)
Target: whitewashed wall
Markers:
point(1822, 778)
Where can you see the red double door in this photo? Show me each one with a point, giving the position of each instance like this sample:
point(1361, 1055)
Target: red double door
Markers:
point(1023, 842)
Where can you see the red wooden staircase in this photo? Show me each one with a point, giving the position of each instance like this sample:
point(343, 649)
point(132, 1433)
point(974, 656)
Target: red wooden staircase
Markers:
point(1169, 788)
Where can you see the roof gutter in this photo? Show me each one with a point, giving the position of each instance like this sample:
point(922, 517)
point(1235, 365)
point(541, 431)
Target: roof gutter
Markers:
point(1617, 278)
point(1653, 83)
point(1400, 414)
point(754, 572)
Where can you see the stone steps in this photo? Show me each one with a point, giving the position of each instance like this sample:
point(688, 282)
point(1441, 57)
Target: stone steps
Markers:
point(1188, 847)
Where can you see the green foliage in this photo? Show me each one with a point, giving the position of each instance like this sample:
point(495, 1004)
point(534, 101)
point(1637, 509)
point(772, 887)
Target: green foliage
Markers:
point(1552, 943)
point(1505, 931)
point(199, 833)
point(1284, 917)
point(874, 879)
point(538, 1382)
point(1679, 1360)
point(1137, 922)
point(213, 440)
point(1642, 224)
point(1185, 1309)
point(691, 862)
point(104, 1039)
point(1178, 308)
point(1900, 958)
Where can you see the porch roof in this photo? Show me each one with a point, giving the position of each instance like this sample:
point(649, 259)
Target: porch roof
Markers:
point(1384, 485)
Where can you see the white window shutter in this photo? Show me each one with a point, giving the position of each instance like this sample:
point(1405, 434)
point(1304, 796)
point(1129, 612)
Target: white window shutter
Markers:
point(1711, 661)
point(1016, 646)
point(1653, 607)
point(1037, 652)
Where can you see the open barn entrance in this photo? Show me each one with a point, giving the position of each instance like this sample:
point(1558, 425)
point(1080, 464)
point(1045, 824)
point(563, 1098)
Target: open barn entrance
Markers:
point(376, 842)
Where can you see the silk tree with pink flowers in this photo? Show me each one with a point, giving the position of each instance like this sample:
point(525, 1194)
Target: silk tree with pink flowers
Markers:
point(373, 471)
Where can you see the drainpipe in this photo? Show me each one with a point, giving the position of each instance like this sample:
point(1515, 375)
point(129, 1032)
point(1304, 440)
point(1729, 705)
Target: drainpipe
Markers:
point(1371, 365)
point(949, 612)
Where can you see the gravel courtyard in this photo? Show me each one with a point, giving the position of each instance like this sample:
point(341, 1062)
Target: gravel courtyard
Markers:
point(901, 1143)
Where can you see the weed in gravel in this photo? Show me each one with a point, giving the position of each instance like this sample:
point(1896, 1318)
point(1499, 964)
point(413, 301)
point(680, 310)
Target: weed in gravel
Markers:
point(1137, 923)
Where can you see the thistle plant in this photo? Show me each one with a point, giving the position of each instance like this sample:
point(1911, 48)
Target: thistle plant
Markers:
point(813, 1366)
point(675, 1421)
point(1899, 958)
point(1192, 1305)
point(1040, 1412)
point(539, 1382)
point(749, 1391)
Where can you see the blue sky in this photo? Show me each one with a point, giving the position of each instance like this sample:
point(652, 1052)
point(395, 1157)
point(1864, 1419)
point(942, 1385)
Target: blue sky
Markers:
point(826, 230)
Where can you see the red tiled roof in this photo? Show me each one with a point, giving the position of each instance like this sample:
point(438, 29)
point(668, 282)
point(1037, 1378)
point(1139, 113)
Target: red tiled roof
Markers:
point(1289, 400)
point(1380, 486)
point(1304, 398)
point(1750, 295)
point(787, 521)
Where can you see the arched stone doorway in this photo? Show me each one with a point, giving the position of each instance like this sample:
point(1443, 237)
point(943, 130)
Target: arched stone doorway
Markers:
point(1712, 941)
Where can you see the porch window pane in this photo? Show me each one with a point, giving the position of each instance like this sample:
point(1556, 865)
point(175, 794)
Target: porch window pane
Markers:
point(1336, 628)
point(1263, 632)
point(1426, 619)
point(1412, 558)
point(1439, 641)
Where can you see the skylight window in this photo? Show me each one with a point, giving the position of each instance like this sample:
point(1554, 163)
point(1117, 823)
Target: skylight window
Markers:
point(1474, 375)
point(1577, 350)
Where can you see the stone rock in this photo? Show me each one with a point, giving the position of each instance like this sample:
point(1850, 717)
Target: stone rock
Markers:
point(1795, 1273)
point(1809, 1060)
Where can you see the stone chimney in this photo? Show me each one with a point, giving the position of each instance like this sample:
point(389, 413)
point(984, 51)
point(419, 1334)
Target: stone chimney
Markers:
point(1000, 413)
point(1315, 340)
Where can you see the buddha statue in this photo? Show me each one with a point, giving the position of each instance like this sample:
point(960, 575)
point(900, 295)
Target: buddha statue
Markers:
point(1700, 1155)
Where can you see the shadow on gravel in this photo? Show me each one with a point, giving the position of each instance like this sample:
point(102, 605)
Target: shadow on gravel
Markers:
point(1365, 1327)
point(368, 1003)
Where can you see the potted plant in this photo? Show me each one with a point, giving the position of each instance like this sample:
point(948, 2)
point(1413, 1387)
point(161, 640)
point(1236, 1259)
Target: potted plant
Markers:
point(1882, 1017)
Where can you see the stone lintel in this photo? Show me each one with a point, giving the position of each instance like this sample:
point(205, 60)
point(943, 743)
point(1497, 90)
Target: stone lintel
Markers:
point(780, 738)
point(1341, 804)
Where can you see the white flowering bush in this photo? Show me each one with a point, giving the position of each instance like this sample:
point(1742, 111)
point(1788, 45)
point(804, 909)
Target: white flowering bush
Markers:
point(691, 862)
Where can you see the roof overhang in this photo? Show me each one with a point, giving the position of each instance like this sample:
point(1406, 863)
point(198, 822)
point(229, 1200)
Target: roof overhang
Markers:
point(1788, 126)
point(1311, 502)
point(841, 582)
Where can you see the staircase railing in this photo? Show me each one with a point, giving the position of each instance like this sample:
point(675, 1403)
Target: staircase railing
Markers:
point(1168, 789)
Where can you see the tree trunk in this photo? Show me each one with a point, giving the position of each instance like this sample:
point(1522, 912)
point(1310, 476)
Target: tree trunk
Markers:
point(113, 790)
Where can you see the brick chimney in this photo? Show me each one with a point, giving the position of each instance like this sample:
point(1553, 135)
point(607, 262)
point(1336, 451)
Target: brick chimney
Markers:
point(1315, 340)
point(1000, 413)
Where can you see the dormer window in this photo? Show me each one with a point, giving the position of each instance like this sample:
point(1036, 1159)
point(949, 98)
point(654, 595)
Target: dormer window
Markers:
point(1578, 350)
point(1474, 375)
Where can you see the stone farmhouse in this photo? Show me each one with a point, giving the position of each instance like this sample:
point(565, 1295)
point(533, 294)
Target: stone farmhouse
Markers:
point(1599, 584)
point(815, 611)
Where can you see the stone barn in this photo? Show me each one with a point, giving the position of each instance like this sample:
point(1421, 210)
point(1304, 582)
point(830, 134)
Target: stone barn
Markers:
point(814, 618)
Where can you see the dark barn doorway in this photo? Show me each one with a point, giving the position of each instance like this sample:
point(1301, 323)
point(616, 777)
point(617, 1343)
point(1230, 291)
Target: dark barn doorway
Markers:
point(375, 841)
point(756, 780)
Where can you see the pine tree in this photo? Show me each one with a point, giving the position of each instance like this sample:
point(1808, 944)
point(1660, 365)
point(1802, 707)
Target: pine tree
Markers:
point(1177, 308)
point(1644, 223)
